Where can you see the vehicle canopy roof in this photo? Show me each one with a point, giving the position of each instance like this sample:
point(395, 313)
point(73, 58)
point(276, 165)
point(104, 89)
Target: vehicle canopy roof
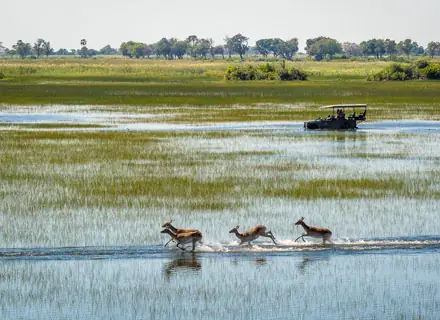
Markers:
point(343, 106)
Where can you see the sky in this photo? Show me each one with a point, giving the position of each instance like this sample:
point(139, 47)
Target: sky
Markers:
point(65, 22)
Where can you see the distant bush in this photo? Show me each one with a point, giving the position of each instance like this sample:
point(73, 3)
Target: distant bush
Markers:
point(421, 69)
point(396, 59)
point(432, 71)
point(422, 63)
point(265, 71)
point(2, 75)
point(396, 71)
point(31, 58)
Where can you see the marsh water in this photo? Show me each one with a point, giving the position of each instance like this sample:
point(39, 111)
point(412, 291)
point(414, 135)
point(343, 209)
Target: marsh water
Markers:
point(110, 263)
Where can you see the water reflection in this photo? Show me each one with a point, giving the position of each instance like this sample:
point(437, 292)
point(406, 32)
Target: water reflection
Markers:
point(264, 286)
point(185, 263)
point(260, 261)
point(309, 260)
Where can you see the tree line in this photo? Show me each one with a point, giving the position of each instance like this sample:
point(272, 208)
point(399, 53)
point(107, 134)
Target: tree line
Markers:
point(204, 48)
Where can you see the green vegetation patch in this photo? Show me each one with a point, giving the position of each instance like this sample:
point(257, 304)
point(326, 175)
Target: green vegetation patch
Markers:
point(264, 71)
point(421, 69)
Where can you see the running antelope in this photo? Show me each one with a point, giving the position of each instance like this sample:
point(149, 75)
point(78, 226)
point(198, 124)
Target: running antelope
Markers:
point(320, 233)
point(183, 238)
point(169, 226)
point(252, 234)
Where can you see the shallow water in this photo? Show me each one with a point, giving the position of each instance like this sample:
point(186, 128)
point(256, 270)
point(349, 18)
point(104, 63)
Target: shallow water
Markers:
point(109, 263)
point(153, 283)
point(121, 121)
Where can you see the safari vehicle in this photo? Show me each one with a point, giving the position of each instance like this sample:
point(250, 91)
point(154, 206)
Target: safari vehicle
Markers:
point(339, 120)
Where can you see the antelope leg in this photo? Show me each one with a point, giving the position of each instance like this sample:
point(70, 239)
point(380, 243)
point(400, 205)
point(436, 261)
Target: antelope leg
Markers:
point(270, 235)
point(168, 242)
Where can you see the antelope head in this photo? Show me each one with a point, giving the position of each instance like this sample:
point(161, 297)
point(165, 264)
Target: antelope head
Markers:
point(167, 224)
point(234, 230)
point(299, 221)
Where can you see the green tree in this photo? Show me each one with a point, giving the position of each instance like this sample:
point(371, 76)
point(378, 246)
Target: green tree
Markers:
point(275, 46)
point(407, 46)
point(310, 43)
point(163, 48)
point(352, 49)
point(137, 50)
point(433, 49)
point(323, 47)
point(192, 42)
point(84, 51)
point(380, 49)
point(263, 46)
point(289, 48)
point(149, 50)
point(38, 47)
point(202, 48)
point(125, 49)
point(108, 50)
point(239, 44)
point(47, 48)
point(211, 48)
point(22, 49)
point(220, 50)
point(374, 47)
point(333, 47)
point(2, 49)
point(62, 52)
point(228, 46)
point(390, 47)
point(365, 50)
point(10, 52)
point(418, 51)
point(179, 48)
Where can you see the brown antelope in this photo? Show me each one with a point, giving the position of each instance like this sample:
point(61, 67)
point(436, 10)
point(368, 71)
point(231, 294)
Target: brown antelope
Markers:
point(169, 226)
point(252, 234)
point(183, 238)
point(320, 233)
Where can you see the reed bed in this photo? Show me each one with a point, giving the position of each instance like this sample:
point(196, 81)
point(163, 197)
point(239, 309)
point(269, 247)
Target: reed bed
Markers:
point(107, 183)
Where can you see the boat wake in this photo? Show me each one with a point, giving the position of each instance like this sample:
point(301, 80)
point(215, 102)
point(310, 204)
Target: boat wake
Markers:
point(347, 245)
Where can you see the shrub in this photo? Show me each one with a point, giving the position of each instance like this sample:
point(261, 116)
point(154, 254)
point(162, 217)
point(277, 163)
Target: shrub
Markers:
point(292, 74)
point(422, 63)
point(432, 71)
point(265, 71)
point(398, 76)
point(396, 59)
point(2, 75)
point(397, 71)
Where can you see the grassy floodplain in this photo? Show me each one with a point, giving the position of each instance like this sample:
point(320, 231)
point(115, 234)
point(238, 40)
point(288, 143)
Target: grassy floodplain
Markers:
point(83, 195)
point(83, 177)
point(170, 85)
point(112, 181)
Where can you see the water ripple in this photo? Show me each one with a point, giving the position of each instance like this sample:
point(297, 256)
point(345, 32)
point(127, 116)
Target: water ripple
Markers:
point(388, 245)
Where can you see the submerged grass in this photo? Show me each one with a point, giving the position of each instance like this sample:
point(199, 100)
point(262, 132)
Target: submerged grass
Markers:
point(125, 169)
